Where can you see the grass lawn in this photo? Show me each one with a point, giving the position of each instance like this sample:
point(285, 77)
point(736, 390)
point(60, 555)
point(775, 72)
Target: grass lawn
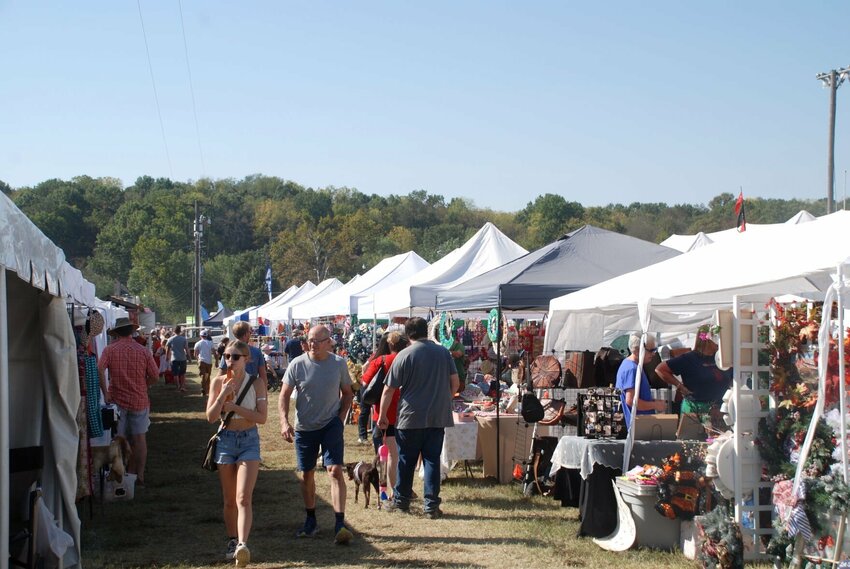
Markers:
point(175, 521)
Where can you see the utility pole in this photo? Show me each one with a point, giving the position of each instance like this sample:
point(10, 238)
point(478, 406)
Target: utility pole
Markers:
point(832, 80)
point(198, 233)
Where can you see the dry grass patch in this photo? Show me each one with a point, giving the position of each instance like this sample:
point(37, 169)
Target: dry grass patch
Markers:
point(176, 520)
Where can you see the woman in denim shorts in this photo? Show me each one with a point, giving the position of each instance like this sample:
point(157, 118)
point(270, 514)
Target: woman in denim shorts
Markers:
point(238, 447)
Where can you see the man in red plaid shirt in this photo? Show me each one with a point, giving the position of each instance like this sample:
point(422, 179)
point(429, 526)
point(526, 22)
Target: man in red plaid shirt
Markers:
point(131, 370)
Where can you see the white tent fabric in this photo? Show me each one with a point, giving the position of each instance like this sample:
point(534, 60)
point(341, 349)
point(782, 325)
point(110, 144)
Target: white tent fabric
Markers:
point(259, 312)
point(280, 313)
point(327, 286)
point(237, 316)
point(487, 249)
point(683, 292)
point(690, 242)
point(39, 385)
point(344, 301)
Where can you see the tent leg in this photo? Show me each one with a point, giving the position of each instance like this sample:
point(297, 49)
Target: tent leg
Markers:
point(4, 421)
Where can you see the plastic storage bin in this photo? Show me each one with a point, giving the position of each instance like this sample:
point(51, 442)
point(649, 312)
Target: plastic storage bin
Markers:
point(653, 529)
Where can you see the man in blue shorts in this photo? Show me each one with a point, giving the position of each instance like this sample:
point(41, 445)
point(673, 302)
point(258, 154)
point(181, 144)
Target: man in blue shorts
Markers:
point(324, 397)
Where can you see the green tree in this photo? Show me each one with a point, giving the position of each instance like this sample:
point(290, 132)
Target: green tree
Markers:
point(547, 218)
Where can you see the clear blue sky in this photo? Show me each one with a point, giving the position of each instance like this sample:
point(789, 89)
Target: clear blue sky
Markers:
point(493, 101)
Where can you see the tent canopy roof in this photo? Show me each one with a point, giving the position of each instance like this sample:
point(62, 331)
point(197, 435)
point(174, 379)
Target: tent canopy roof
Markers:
point(487, 249)
point(579, 259)
point(689, 242)
point(678, 294)
point(28, 252)
point(285, 310)
point(344, 300)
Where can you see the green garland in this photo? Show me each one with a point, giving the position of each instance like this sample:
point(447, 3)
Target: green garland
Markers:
point(823, 495)
point(783, 429)
point(721, 546)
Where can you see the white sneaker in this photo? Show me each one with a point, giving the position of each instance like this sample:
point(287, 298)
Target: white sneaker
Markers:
point(242, 555)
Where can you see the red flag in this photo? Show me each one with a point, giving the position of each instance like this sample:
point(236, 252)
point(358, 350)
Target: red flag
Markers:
point(739, 211)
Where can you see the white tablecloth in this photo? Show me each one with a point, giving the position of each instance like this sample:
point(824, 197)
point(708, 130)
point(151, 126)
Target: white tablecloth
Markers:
point(459, 443)
point(581, 453)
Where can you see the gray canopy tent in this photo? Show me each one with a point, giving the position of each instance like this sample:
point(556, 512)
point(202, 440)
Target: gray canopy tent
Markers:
point(581, 258)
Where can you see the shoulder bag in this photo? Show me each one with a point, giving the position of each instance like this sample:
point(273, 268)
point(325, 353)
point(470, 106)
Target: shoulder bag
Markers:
point(371, 395)
point(209, 462)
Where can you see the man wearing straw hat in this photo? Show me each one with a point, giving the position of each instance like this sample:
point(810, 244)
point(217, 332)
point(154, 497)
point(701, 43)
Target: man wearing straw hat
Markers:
point(131, 370)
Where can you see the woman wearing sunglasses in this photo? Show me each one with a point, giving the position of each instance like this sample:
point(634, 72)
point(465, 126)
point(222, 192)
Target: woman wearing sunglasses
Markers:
point(238, 448)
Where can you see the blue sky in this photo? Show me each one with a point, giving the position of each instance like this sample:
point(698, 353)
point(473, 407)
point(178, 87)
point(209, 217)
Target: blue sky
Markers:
point(497, 102)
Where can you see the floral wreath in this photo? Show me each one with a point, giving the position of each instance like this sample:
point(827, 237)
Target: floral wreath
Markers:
point(443, 328)
point(493, 325)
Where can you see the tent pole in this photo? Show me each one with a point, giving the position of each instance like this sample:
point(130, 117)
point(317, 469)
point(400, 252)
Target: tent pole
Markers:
point(498, 384)
point(4, 420)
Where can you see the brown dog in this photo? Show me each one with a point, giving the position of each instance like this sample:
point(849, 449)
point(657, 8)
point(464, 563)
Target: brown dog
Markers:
point(364, 474)
point(116, 456)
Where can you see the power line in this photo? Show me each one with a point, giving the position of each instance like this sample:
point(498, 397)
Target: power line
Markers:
point(155, 95)
point(192, 91)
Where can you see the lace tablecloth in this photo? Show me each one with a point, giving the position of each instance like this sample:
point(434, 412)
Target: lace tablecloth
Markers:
point(581, 453)
point(459, 443)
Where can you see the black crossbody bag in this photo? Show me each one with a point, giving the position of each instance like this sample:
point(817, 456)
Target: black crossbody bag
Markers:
point(209, 462)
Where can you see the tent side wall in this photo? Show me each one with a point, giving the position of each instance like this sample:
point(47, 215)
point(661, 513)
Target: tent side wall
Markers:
point(44, 395)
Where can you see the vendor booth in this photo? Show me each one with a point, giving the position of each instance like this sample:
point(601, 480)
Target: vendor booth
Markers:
point(728, 283)
point(581, 258)
point(39, 383)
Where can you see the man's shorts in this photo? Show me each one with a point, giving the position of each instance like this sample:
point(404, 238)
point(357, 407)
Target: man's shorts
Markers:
point(178, 367)
point(204, 368)
point(329, 438)
point(133, 422)
point(238, 446)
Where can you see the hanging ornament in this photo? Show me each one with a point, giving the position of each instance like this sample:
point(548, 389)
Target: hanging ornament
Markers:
point(444, 328)
point(493, 325)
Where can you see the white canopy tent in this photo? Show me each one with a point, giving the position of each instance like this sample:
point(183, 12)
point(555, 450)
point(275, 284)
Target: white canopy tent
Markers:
point(678, 294)
point(344, 301)
point(690, 242)
point(237, 316)
point(39, 385)
point(284, 312)
point(260, 312)
point(683, 292)
point(487, 249)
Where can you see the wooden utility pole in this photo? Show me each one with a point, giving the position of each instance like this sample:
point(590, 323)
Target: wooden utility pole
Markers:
point(832, 80)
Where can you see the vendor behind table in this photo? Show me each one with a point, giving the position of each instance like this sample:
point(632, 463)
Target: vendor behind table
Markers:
point(626, 375)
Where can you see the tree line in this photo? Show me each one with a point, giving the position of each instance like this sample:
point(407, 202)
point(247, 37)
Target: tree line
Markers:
point(140, 237)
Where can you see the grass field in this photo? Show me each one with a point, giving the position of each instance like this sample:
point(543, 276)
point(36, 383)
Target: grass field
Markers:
point(175, 521)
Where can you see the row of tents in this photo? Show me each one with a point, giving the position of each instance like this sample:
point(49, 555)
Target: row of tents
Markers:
point(488, 270)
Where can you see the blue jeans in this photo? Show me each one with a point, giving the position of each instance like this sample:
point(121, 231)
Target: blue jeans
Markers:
point(412, 443)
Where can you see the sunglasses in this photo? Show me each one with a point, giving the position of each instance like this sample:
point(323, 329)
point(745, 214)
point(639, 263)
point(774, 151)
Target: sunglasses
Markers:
point(313, 341)
point(655, 349)
point(234, 357)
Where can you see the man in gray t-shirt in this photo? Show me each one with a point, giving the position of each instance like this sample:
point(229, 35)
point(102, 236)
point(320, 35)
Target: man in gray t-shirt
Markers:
point(427, 377)
point(324, 398)
point(177, 352)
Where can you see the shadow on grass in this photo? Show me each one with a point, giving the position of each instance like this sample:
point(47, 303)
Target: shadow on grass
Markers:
point(176, 519)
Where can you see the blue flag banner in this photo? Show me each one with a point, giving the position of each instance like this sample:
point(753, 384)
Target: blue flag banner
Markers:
point(269, 281)
point(220, 306)
point(205, 315)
